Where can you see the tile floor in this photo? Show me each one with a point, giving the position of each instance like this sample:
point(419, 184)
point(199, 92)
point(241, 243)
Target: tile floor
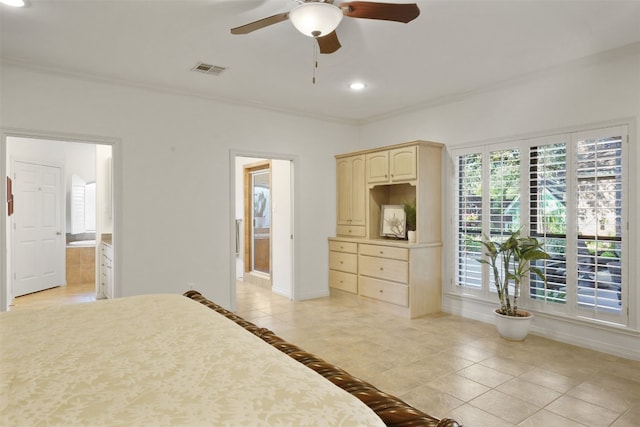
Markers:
point(70, 294)
point(453, 367)
point(445, 365)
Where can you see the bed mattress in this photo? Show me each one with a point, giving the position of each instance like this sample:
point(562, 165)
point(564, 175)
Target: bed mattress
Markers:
point(161, 360)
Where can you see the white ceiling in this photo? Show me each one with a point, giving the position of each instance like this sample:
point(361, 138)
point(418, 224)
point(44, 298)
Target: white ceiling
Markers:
point(453, 47)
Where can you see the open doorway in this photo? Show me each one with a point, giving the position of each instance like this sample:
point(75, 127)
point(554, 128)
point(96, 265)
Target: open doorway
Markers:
point(257, 223)
point(263, 212)
point(62, 211)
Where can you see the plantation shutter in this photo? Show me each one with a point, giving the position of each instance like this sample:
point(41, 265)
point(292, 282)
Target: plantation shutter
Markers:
point(504, 198)
point(548, 219)
point(599, 222)
point(469, 212)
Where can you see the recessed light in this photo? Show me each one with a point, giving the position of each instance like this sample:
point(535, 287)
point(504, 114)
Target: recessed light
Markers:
point(14, 3)
point(357, 86)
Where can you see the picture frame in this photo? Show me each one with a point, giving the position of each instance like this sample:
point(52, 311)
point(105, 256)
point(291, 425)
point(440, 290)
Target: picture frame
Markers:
point(393, 221)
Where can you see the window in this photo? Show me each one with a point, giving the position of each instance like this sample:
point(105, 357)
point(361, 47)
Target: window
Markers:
point(568, 191)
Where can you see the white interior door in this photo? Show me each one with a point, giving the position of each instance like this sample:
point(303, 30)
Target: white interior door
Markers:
point(38, 241)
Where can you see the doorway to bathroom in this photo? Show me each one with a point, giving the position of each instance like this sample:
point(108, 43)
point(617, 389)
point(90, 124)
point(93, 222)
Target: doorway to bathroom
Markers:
point(263, 208)
point(62, 207)
point(257, 223)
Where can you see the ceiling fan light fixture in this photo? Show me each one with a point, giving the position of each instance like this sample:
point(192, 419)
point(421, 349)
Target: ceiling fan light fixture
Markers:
point(14, 3)
point(315, 19)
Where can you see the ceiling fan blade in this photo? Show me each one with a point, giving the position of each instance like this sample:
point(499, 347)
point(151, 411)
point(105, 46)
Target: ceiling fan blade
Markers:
point(329, 43)
point(261, 23)
point(384, 11)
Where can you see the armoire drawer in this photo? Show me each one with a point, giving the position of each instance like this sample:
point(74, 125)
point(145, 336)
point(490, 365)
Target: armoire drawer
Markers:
point(342, 261)
point(340, 246)
point(382, 290)
point(343, 281)
point(391, 252)
point(351, 230)
point(383, 268)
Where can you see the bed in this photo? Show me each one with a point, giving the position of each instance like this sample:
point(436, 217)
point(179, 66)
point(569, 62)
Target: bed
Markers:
point(169, 360)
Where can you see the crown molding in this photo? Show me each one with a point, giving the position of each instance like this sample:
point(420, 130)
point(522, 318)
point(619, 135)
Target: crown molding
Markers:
point(172, 90)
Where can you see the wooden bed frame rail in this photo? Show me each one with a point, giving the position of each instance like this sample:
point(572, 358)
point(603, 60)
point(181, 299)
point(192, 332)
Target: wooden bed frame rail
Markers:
point(392, 410)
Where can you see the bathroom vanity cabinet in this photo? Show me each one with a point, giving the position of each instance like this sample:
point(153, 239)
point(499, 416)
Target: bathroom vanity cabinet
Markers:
point(105, 289)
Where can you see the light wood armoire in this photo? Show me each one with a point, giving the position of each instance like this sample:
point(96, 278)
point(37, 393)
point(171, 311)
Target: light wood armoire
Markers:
point(398, 276)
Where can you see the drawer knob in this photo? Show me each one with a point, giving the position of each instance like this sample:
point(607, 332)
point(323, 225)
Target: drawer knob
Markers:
point(381, 252)
point(381, 269)
point(381, 291)
point(341, 262)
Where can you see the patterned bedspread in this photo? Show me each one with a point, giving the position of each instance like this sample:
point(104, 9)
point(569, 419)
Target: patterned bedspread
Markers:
point(156, 360)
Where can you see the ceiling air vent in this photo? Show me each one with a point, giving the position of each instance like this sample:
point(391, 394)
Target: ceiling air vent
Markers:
point(208, 69)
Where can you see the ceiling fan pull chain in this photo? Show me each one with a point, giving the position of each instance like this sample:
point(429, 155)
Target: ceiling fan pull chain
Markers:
point(315, 61)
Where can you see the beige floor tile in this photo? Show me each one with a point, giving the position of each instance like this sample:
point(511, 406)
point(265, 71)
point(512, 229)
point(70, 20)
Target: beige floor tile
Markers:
point(509, 366)
point(631, 418)
point(529, 392)
point(616, 399)
point(474, 354)
point(402, 379)
point(459, 387)
point(433, 402)
point(551, 380)
point(470, 416)
point(509, 408)
point(545, 418)
point(484, 375)
point(583, 412)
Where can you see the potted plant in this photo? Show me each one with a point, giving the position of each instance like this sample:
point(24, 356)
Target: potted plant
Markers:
point(510, 262)
point(410, 213)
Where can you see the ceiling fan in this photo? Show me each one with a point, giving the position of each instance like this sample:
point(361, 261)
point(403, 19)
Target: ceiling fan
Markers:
point(320, 18)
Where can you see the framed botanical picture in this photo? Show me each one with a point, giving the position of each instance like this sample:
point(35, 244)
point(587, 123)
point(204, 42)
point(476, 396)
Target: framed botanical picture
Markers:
point(393, 221)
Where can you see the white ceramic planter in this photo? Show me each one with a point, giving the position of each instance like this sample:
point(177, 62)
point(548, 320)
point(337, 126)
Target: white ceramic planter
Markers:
point(514, 328)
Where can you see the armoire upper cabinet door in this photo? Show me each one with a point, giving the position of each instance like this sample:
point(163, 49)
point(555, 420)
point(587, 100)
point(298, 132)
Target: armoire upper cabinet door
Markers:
point(395, 165)
point(378, 167)
point(402, 164)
